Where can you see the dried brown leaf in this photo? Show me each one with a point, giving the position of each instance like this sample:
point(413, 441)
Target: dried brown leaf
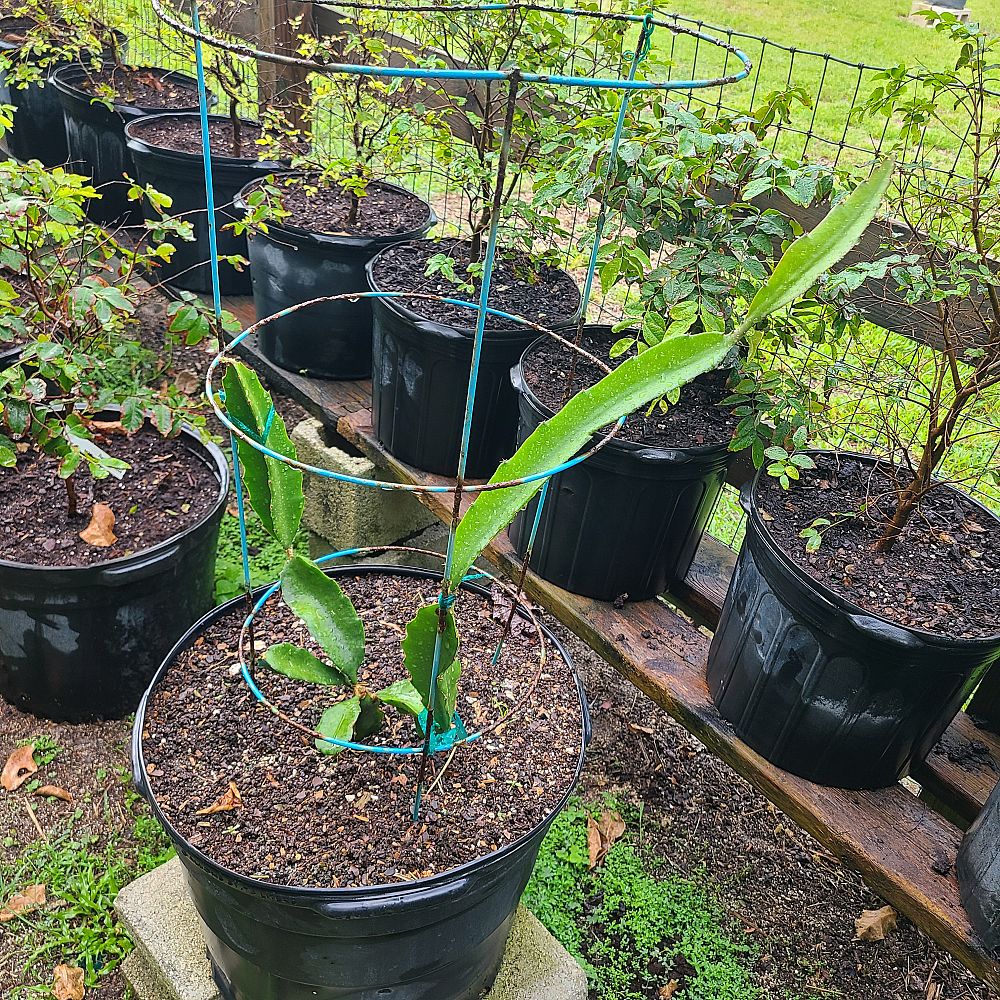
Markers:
point(100, 531)
point(189, 383)
point(602, 833)
point(67, 983)
point(874, 925)
point(229, 799)
point(666, 992)
point(22, 902)
point(108, 426)
point(54, 792)
point(19, 767)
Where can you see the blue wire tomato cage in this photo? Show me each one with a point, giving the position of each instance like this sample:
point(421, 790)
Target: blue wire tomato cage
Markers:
point(515, 78)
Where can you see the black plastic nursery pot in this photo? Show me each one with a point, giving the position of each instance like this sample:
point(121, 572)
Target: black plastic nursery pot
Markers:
point(95, 137)
point(420, 383)
point(79, 643)
point(626, 522)
point(438, 938)
point(821, 687)
point(181, 175)
point(290, 265)
point(39, 132)
point(978, 871)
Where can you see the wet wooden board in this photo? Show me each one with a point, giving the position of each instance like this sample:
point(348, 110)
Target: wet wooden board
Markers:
point(904, 850)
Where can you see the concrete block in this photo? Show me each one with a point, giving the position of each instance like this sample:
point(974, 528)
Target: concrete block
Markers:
point(170, 962)
point(347, 516)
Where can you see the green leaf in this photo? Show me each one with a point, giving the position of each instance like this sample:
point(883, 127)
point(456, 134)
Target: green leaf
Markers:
point(402, 695)
point(815, 252)
point(338, 722)
point(275, 488)
point(299, 664)
point(418, 654)
point(327, 612)
point(447, 698)
point(370, 719)
point(634, 383)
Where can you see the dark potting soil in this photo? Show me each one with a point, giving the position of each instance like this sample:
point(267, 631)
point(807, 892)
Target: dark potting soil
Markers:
point(141, 87)
point(184, 136)
point(544, 295)
point(695, 420)
point(313, 820)
point(942, 575)
point(166, 489)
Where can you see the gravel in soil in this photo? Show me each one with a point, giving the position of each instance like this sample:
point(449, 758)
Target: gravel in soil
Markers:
point(696, 420)
point(167, 488)
point(142, 87)
point(383, 211)
point(942, 575)
point(183, 135)
point(542, 294)
point(308, 819)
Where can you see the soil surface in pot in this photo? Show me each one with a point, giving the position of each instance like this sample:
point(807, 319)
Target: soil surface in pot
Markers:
point(142, 87)
point(545, 295)
point(313, 820)
point(326, 209)
point(184, 136)
point(943, 574)
point(695, 420)
point(14, 30)
point(167, 489)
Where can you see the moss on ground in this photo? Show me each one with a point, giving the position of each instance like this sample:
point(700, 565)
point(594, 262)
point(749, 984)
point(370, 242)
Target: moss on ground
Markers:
point(635, 933)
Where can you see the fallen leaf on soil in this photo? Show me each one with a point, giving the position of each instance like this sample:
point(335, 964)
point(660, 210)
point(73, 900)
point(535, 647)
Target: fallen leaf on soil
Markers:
point(21, 902)
point(54, 792)
point(67, 983)
point(108, 426)
point(602, 834)
point(21, 760)
point(636, 728)
point(935, 991)
point(100, 531)
point(873, 925)
point(666, 992)
point(188, 382)
point(230, 799)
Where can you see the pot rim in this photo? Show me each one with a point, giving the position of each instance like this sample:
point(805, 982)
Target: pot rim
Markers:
point(653, 452)
point(314, 894)
point(322, 239)
point(59, 78)
point(134, 136)
point(424, 322)
point(839, 603)
point(221, 467)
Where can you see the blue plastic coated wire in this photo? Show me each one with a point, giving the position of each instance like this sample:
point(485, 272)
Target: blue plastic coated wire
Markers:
point(213, 244)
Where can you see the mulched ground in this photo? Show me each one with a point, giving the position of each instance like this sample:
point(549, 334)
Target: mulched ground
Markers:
point(943, 574)
point(167, 488)
point(143, 87)
point(315, 820)
point(695, 420)
point(546, 295)
point(382, 211)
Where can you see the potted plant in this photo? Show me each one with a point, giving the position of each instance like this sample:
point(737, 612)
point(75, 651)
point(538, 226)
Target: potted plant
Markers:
point(112, 499)
point(167, 152)
point(313, 866)
point(312, 232)
point(36, 37)
point(97, 100)
point(860, 614)
point(685, 181)
point(422, 349)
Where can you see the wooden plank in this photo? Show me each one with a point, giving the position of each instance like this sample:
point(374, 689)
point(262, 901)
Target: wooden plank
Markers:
point(905, 852)
point(963, 768)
